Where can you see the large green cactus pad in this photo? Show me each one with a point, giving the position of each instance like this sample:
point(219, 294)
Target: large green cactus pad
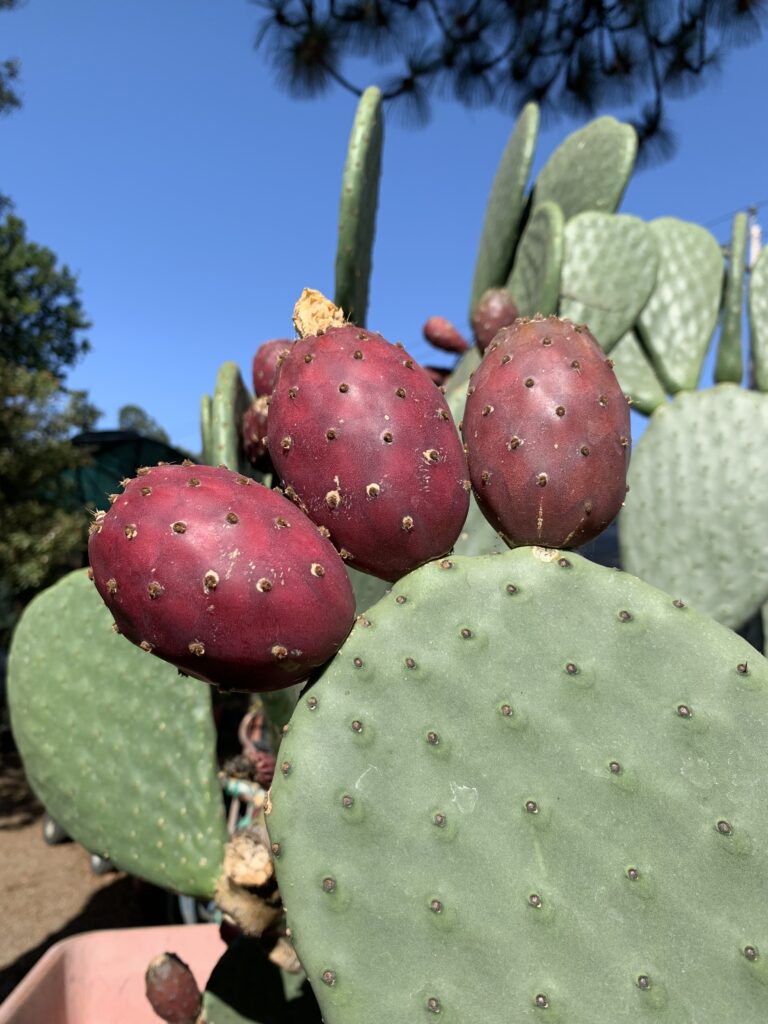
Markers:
point(529, 788)
point(729, 366)
point(609, 269)
point(231, 399)
point(695, 518)
point(119, 748)
point(357, 209)
point(534, 283)
point(505, 206)
point(758, 319)
point(677, 322)
point(590, 169)
point(636, 376)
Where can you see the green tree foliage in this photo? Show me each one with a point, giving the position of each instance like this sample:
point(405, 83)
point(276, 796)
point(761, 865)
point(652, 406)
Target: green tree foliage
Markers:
point(41, 316)
point(9, 73)
point(133, 417)
point(42, 531)
point(570, 56)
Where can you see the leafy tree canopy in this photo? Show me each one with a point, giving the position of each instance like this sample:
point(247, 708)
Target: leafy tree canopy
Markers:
point(570, 56)
point(41, 317)
point(133, 417)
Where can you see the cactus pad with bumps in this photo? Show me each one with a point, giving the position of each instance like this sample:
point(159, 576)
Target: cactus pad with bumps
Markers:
point(118, 747)
point(577, 832)
point(758, 319)
point(590, 169)
point(694, 521)
point(677, 322)
point(636, 376)
point(506, 203)
point(609, 269)
point(535, 279)
point(357, 210)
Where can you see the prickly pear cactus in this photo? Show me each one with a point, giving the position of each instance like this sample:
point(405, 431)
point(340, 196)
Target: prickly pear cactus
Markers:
point(590, 169)
point(636, 376)
point(758, 320)
point(534, 283)
point(118, 747)
point(522, 841)
point(609, 270)
point(506, 204)
point(694, 520)
point(231, 399)
point(729, 366)
point(357, 212)
point(677, 322)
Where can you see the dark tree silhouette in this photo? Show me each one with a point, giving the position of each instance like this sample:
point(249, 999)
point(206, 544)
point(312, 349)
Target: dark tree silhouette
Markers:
point(9, 73)
point(573, 57)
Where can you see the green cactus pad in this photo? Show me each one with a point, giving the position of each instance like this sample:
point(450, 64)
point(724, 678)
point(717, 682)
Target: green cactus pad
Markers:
point(231, 399)
point(357, 210)
point(534, 283)
point(119, 748)
point(677, 322)
point(206, 426)
point(729, 366)
point(695, 518)
point(529, 787)
point(505, 207)
point(636, 376)
point(609, 269)
point(590, 169)
point(758, 319)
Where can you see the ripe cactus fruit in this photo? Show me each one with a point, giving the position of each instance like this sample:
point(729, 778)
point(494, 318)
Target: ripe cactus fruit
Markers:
point(495, 309)
point(254, 431)
point(172, 990)
point(547, 432)
point(220, 576)
point(441, 333)
point(366, 443)
point(265, 361)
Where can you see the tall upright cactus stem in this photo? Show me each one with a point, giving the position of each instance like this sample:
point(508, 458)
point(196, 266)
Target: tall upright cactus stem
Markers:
point(729, 366)
point(357, 210)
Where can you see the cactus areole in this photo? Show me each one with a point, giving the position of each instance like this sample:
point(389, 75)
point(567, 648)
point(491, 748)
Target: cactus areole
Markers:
point(547, 432)
point(265, 362)
point(220, 576)
point(366, 444)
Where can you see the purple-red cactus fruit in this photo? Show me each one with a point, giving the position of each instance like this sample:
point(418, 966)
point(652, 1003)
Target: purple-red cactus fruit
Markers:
point(220, 576)
point(265, 365)
point(442, 334)
point(494, 310)
point(546, 428)
point(254, 431)
point(365, 442)
point(172, 990)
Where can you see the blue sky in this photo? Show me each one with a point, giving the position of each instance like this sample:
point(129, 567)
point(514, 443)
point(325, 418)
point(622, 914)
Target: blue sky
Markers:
point(155, 155)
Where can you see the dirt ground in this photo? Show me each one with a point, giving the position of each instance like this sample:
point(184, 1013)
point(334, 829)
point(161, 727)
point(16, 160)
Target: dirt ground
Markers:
point(50, 892)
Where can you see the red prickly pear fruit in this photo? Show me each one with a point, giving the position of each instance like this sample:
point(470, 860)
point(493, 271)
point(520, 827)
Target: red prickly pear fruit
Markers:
point(547, 432)
point(366, 443)
point(495, 309)
point(220, 576)
point(265, 363)
point(172, 990)
point(254, 431)
point(443, 335)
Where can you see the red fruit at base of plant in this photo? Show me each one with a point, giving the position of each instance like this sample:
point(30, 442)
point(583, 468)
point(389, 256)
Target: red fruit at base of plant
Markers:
point(547, 432)
point(172, 990)
point(220, 576)
point(365, 442)
point(443, 335)
point(495, 309)
point(265, 362)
